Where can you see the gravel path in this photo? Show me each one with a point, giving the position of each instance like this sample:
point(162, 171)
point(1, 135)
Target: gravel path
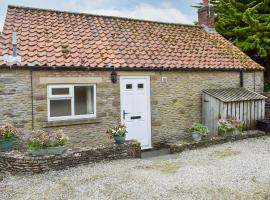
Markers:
point(239, 170)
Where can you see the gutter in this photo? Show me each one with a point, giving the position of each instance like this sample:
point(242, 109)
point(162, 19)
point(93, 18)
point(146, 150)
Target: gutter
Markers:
point(241, 78)
point(90, 68)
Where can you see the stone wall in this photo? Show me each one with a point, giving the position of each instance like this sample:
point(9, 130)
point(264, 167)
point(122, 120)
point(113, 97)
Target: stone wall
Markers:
point(254, 81)
point(206, 142)
point(15, 98)
point(20, 163)
point(176, 104)
point(85, 132)
point(175, 101)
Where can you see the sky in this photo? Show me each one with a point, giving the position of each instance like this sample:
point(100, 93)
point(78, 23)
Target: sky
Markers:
point(177, 11)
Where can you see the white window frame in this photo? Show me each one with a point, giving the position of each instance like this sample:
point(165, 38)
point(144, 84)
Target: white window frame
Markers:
point(70, 96)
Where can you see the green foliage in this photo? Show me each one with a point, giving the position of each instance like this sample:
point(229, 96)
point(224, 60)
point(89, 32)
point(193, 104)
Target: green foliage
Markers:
point(229, 125)
point(199, 128)
point(119, 130)
point(246, 23)
point(212, 2)
point(7, 132)
point(267, 84)
point(41, 139)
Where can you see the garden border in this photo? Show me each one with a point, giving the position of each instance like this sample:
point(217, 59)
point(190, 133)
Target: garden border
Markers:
point(180, 147)
point(16, 162)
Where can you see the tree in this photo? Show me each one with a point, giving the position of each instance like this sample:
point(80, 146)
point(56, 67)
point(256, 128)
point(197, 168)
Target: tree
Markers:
point(246, 23)
point(212, 2)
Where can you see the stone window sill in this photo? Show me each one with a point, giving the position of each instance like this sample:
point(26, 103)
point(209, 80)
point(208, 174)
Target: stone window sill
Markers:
point(70, 122)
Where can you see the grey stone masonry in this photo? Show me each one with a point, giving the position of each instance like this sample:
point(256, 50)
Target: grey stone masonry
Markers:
point(15, 98)
point(16, 162)
point(175, 101)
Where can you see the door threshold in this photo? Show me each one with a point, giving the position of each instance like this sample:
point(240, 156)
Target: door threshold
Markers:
point(156, 154)
point(147, 148)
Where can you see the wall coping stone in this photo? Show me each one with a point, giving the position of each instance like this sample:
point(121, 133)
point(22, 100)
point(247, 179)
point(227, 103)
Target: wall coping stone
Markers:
point(16, 162)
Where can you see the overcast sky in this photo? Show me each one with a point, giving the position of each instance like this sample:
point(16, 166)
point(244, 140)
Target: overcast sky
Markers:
point(179, 11)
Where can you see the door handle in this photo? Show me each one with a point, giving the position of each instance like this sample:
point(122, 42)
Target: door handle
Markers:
point(124, 114)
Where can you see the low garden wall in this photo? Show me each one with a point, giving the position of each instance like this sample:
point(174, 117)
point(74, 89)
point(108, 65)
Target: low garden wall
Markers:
point(16, 162)
point(179, 147)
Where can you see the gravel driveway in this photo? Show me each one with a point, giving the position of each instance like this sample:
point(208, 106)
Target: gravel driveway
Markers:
point(239, 170)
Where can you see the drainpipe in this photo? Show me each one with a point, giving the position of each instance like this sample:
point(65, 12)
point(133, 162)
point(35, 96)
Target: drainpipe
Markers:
point(32, 97)
point(241, 78)
point(254, 81)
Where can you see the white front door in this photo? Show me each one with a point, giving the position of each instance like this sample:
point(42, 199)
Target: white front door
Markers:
point(135, 108)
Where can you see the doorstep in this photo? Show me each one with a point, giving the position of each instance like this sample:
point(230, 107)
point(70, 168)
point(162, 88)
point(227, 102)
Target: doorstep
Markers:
point(157, 154)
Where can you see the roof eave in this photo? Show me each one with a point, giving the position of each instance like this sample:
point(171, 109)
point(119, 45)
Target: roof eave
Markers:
point(128, 68)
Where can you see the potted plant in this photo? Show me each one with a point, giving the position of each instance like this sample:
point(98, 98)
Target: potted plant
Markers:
point(198, 131)
point(43, 142)
point(7, 134)
point(229, 127)
point(237, 125)
point(223, 127)
point(118, 132)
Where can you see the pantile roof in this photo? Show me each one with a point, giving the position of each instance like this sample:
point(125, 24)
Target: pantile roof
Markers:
point(61, 39)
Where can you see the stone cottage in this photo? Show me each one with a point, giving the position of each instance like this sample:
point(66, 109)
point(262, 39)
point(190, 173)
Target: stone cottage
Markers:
point(83, 73)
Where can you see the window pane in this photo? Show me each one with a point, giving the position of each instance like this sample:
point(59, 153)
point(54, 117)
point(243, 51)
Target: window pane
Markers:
point(140, 85)
point(60, 91)
point(84, 100)
point(60, 108)
point(128, 86)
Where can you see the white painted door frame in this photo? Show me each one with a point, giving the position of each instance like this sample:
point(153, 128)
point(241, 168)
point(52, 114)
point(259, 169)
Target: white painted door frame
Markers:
point(147, 78)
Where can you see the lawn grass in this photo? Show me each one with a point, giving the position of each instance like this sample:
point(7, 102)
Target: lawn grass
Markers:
point(227, 152)
point(260, 191)
point(166, 166)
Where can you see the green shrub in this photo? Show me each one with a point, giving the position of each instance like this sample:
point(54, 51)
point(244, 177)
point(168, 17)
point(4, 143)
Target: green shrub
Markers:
point(41, 139)
point(199, 128)
point(7, 132)
point(119, 130)
point(267, 84)
point(229, 125)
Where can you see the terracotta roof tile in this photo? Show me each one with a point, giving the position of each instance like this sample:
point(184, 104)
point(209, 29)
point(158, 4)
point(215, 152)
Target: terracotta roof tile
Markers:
point(54, 38)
